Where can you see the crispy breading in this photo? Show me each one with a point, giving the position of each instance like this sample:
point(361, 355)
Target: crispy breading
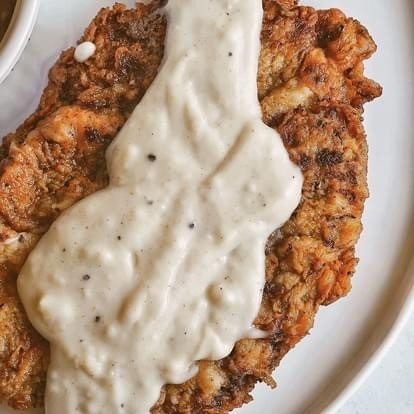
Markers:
point(56, 158)
point(311, 87)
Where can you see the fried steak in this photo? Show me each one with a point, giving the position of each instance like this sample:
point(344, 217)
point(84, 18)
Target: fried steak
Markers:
point(311, 88)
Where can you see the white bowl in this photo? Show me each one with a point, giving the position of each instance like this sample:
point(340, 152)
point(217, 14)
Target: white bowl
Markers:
point(17, 35)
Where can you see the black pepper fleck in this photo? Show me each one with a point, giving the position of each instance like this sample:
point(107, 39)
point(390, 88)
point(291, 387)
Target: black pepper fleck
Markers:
point(191, 225)
point(119, 238)
point(97, 319)
point(230, 53)
point(122, 405)
point(86, 277)
point(152, 157)
point(21, 238)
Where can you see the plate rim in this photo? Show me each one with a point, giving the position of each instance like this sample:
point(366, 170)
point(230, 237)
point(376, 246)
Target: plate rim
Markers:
point(403, 308)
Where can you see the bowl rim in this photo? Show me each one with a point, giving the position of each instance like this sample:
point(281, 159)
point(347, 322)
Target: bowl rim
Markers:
point(17, 35)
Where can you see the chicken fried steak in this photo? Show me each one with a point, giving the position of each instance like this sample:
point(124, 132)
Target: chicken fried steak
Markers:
point(311, 88)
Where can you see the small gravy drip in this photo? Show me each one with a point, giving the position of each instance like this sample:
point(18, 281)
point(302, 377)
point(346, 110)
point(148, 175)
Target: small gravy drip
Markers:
point(165, 267)
point(84, 51)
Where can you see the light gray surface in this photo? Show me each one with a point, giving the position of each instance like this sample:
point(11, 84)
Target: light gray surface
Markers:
point(390, 388)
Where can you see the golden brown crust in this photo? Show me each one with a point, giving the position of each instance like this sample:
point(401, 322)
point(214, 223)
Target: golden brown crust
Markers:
point(56, 158)
point(311, 87)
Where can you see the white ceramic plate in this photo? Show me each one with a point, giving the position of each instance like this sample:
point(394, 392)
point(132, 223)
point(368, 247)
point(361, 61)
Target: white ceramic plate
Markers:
point(352, 335)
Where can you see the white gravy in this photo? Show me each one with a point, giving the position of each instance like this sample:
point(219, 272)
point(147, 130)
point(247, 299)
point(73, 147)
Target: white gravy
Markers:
point(84, 51)
point(165, 267)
